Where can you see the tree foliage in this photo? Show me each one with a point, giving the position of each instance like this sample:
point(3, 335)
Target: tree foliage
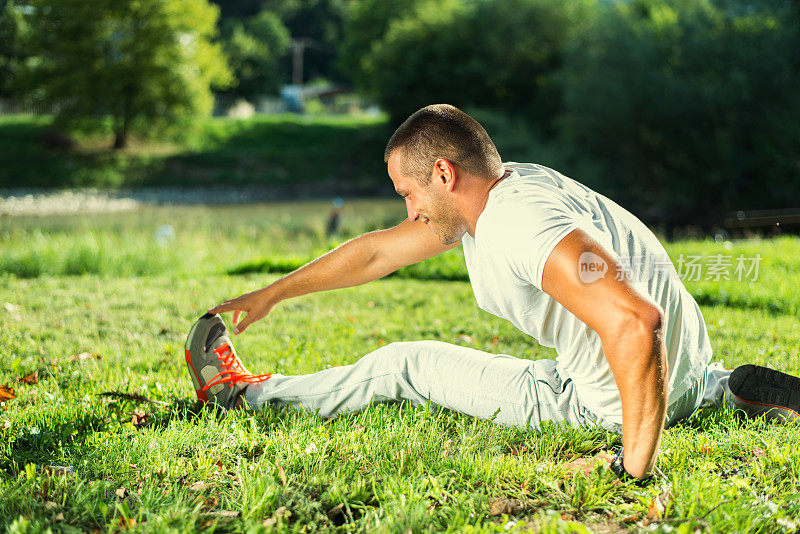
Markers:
point(12, 51)
point(692, 105)
point(254, 48)
point(149, 64)
point(365, 25)
point(318, 23)
point(474, 54)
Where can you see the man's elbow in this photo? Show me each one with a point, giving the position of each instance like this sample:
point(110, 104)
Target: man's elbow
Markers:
point(652, 318)
point(644, 322)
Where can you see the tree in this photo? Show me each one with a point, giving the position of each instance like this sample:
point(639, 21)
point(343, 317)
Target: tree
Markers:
point(149, 64)
point(365, 25)
point(12, 53)
point(317, 23)
point(474, 54)
point(254, 48)
point(692, 105)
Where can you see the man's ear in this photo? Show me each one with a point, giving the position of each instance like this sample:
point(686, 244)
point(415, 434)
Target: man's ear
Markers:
point(444, 173)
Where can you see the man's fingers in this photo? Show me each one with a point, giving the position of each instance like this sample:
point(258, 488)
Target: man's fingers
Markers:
point(247, 321)
point(226, 306)
point(222, 308)
point(236, 315)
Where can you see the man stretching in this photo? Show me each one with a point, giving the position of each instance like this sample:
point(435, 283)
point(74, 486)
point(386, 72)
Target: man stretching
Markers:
point(543, 251)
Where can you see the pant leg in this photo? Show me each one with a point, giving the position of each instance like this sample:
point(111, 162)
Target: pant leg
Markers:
point(711, 387)
point(717, 383)
point(511, 391)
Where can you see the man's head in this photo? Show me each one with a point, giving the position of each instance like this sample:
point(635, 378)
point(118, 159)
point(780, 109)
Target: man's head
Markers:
point(443, 131)
point(441, 161)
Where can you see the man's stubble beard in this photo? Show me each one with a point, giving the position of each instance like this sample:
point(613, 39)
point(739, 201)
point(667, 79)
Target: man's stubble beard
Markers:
point(448, 224)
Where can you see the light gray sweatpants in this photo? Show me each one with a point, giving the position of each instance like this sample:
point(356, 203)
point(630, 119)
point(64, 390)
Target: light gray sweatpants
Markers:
point(510, 391)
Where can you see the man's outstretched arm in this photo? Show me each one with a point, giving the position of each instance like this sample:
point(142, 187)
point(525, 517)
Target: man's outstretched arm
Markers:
point(358, 261)
point(630, 326)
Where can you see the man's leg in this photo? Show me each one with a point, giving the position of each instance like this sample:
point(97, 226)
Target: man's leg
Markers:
point(716, 384)
point(754, 389)
point(763, 391)
point(520, 392)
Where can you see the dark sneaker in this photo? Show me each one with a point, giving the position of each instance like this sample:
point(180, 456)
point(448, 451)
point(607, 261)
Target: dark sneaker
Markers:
point(217, 373)
point(759, 390)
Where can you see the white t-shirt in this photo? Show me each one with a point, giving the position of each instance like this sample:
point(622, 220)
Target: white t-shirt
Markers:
point(526, 215)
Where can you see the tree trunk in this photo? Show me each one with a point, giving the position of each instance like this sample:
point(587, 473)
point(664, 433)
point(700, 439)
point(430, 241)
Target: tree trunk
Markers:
point(120, 139)
point(121, 123)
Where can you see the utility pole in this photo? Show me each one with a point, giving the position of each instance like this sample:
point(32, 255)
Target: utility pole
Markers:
point(298, 50)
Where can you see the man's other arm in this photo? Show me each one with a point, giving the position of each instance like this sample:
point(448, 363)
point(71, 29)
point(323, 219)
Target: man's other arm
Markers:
point(358, 261)
point(630, 326)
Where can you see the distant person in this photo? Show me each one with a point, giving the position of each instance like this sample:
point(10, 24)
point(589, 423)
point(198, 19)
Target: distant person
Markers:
point(543, 251)
point(335, 217)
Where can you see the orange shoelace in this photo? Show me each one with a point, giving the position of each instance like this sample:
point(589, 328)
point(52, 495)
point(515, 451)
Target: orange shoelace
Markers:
point(233, 371)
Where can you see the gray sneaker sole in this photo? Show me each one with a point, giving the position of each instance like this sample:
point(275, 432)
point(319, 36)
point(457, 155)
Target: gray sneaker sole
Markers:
point(763, 391)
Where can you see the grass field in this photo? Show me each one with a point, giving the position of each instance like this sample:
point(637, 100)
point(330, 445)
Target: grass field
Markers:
point(79, 452)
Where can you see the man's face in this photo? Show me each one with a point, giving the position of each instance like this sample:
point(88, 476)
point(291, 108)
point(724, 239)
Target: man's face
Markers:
point(429, 204)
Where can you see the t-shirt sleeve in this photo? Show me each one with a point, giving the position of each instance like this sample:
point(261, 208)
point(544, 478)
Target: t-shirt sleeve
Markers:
point(537, 229)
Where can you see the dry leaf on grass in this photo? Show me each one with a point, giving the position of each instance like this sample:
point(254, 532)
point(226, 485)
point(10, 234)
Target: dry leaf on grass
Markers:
point(659, 505)
point(140, 418)
point(759, 452)
point(281, 472)
point(283, 513)
point(30, 379)
point(85, 356)
point(199, 486)
point(59, 516)
point(464, 338)
point(11, 308)
point(336, 511)
point(6, 424)
point(126, 523)
point(59, 470)
point(502, 506)
point(518, 451)
point(49, 505)
point(120, 492)
point(7, 393)
point(223, 514)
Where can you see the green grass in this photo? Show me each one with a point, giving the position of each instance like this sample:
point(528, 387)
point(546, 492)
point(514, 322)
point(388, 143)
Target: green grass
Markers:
point(284, 150)
point(388, 468)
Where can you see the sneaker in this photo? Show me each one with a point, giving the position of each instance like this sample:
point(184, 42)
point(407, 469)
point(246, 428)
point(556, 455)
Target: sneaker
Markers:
point(217, 372)
point(762, 391)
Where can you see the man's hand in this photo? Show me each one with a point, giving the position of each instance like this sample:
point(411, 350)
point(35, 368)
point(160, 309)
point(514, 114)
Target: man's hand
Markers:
point(256, 304)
